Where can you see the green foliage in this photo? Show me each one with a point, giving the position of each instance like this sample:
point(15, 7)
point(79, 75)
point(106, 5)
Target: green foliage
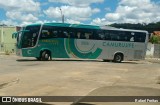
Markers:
point(155, 39)
point(139, 26)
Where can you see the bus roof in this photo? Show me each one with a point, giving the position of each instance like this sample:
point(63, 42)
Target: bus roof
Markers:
point(88, 27)
point(73, 25)
point(121, 29)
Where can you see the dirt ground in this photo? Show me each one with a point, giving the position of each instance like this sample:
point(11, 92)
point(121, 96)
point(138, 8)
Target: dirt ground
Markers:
point(62, 77)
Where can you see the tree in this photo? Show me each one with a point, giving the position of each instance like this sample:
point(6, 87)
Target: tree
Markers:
point(148, 27)
point(155, 39)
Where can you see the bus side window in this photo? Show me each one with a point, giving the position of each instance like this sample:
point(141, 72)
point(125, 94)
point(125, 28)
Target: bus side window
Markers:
point(49, 32)
point(132, 39)
point(65, 34)
point(121, 36)
point(78, 35)
point(45, 34)
point(99, 35)
point(55, 34)
point(72, 34)
point(114, 36)
point(60, 33)
point(87, 35)
point(91, 35)
point(143, 37)
point(82, 35)
point(140, 37)
point(107, 35)
point(127, 38)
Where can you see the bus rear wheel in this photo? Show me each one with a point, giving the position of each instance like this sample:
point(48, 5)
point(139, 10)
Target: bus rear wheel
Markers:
point(45, 56)
point(118, 58)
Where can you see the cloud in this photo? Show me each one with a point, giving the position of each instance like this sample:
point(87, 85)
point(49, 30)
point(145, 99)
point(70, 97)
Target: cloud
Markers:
point(72, 21)
point(78, 2)
point(21, 17)
point(96, 10)
point(9, 22)
point(36, 22)
point(108, 9)
point(100, 21)
point(132, 11)
point(20, 5)
point(71, 12)
point(21, 11)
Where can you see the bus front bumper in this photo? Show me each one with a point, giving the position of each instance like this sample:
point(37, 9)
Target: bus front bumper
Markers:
point(19, 52)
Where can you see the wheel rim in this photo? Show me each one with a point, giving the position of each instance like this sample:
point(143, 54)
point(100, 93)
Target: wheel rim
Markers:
point(46, 56)
point(118, 58)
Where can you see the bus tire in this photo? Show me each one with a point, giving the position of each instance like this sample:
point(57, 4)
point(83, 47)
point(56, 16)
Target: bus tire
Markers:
point(118, 58)
point(45, 56)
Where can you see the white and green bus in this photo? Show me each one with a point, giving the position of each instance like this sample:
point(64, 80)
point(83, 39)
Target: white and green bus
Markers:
point(61, 40)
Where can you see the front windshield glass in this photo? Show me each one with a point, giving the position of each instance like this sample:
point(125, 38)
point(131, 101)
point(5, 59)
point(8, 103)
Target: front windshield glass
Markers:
point(19, 34)
point(30, 36)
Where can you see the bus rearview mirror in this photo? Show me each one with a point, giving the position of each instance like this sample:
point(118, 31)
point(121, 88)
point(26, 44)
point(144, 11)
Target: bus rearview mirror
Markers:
point(14, 35)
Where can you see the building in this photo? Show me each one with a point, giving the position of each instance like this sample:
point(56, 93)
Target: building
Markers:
point(7, 43)
point(157, 33)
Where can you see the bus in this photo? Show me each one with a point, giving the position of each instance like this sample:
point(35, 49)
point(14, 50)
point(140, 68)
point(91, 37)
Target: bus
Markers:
point(62, 40)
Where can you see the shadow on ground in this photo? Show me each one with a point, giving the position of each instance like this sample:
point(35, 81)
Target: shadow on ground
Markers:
point(77, 60)
point(70, 60)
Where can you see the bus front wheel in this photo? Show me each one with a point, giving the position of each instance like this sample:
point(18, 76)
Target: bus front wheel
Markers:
point(45, 56)
point(118, 58)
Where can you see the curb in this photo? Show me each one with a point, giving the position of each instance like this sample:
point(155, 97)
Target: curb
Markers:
point(152, 59)
point(2, 53)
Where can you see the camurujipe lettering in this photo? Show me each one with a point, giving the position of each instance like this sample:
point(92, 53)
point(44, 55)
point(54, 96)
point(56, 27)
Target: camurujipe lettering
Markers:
point(115, 44)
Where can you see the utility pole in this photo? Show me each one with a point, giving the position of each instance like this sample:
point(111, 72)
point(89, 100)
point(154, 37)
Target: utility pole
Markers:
point(62, 15)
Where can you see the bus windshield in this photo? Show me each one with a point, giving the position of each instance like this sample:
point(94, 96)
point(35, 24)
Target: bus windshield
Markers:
point(29, 37)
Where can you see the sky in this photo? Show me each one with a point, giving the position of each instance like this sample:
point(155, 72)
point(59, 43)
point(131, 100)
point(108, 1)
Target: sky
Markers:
point(95, 12)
